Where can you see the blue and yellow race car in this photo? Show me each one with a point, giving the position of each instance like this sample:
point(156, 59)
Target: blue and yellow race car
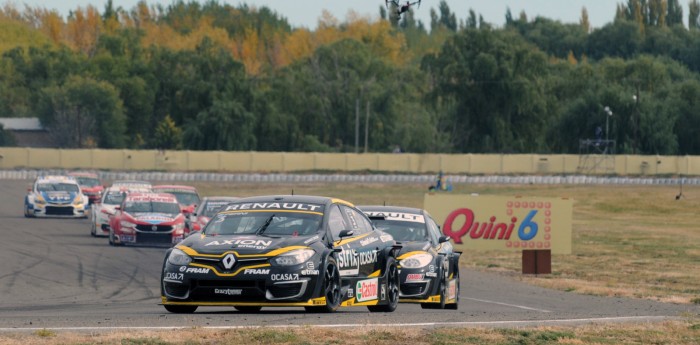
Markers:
point(55, 196)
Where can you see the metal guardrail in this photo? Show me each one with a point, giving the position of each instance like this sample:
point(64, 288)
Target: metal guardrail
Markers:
point(356, 178)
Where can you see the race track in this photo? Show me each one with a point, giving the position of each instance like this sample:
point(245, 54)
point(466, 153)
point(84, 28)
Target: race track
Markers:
point(53, 274)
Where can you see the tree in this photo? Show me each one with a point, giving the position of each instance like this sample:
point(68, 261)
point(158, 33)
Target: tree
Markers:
point(585, 23)
point(675, 13)
point(83, 111)
point(167, 135)
point(694, 14)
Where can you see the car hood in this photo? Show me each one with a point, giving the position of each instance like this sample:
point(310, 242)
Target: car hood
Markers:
point(59, 197)
point(244, 244)
point(414, 246)
point(96, 189)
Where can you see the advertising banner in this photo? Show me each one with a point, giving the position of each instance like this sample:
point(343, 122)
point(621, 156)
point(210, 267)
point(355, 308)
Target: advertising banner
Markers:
point(475, 222)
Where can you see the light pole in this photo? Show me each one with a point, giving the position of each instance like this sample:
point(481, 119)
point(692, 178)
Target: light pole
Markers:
point(607, 121)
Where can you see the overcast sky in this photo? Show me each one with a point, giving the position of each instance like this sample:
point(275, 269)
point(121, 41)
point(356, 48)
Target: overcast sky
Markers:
point(306, 12)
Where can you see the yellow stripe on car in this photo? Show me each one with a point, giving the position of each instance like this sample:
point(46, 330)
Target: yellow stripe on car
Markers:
point(191, 252)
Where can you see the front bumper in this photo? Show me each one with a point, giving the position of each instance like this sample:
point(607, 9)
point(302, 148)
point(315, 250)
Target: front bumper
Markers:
point(252, 283)
point(145, 238)
point(57, 210)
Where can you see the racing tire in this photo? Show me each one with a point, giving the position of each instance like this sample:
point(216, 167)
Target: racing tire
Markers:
point(442, 289)
point(331, 289)
point(392, 278)
point(111, 239)
point(93, 229)
point(455, 305)
point(180, 309)
point(247, 309)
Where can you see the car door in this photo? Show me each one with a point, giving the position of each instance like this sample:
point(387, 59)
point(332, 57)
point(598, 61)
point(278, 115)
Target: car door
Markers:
point(365, 243)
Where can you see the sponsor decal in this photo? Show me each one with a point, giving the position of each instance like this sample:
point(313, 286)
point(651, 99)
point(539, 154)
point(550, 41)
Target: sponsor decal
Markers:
point(310, 265)
point(275, 206)
point(228, 261)
point(367, 290)
point(452, 289)
point(368, 241)
point(284, 276)
point(198, 270)
point(228, 292)
point(309, 272)
point(319, 302)
point(383, 291)
point(253, 244)
point(58, 197)
point(127, 238)
point(174, 276)
point(154, 220)
point(312, 239)
point(414, 277)
point(431, 274)
point(351, 293)
point(264, 271)
point(351, 217)
point(349, 260)
point(183, 268)
point(151, 198)
point(406, 217)
point(386, 238)
point(431, 268)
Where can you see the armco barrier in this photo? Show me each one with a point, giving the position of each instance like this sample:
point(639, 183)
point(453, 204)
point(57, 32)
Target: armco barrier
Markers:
point(295, 162)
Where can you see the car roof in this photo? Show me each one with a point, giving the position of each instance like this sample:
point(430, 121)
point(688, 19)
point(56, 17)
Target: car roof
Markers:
point(56, 179)
point(396, 209)
point(311, 199)
point(220, 198)
point(131, 189)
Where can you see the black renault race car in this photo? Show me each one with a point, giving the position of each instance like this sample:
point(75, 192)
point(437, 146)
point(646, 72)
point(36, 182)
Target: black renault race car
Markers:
point(283, 251)
point(428, 265)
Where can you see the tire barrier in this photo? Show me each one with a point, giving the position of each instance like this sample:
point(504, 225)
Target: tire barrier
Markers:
point(356, 178)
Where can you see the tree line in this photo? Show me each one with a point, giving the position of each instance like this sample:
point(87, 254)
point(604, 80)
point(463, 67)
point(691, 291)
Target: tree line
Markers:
point(211, 76)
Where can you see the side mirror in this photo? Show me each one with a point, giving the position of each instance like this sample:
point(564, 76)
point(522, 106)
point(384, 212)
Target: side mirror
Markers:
point(345, 233)
point(443, 239)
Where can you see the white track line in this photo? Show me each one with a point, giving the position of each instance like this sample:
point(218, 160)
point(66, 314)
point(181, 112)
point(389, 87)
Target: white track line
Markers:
point(358, 325)
point(507, 305)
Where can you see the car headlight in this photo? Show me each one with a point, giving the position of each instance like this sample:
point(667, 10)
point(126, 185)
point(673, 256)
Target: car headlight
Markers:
point(294, 257)
point(39, 200)
point(78, 201)
point(416, 260)
point(179, 227)
point(178, 257)
point(126, 224)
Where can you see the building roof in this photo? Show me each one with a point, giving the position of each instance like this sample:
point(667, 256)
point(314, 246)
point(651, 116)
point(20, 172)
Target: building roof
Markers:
point(21, 123)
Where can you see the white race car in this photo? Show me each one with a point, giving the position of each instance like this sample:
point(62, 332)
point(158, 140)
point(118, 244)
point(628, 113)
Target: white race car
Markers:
point(102, 211)
point(55, 196)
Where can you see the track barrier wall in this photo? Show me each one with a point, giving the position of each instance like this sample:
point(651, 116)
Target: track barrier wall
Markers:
point(292, 162)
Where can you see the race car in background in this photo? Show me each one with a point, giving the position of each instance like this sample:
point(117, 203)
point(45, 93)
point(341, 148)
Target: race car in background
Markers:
point(187, 196)
point(429, 266)
point(90, 185)
point(132, 184)
point(283, 251)
point(55, 196)
point(206, 209)
point(106, 208)
point(152, 219)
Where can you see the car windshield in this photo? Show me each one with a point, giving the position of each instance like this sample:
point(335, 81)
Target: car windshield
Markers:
point(88, 181)
point(184, 198)
point(402, 230)
point(212, 207)
point(114, 198)
point(58, 187)
point(151, 207)
point(279, 223)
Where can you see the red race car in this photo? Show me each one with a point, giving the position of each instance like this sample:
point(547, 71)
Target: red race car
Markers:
point(147, 219)
point(187, 196)
point(206, 210)
point(90, 186)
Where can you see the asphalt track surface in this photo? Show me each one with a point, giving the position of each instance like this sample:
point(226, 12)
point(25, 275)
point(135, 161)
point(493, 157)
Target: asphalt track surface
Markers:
point(53, 274)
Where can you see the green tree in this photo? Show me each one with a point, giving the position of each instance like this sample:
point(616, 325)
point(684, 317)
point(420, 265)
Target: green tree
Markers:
point(83, 111)
point(167, 135)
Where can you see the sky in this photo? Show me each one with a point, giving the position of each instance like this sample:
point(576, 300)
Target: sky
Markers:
point(305, 13)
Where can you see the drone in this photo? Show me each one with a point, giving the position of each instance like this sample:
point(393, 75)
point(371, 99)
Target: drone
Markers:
point(401, 9)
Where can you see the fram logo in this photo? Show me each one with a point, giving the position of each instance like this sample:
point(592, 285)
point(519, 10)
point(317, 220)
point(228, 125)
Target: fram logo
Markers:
point(491, 229)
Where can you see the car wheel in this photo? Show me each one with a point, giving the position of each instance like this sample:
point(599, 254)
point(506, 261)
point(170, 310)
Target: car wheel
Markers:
point(331, 289)
point(180, 309)
point(111, 238)
point(93, 229)
point(455, 305)
point(248, 309)
point(442, 289)
point(392, 283)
